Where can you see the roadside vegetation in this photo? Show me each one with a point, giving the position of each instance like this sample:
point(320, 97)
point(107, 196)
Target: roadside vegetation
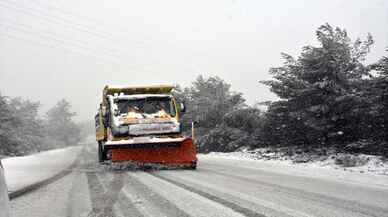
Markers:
point(24, 131)
point(330, 100)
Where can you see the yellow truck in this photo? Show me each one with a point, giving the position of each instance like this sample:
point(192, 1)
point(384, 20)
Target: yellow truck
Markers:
point(142, 124)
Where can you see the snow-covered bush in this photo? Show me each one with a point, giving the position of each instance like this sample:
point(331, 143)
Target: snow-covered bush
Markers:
point(348, 160)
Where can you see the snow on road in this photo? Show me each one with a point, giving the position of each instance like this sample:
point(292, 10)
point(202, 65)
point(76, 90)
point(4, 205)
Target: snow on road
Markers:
point(314, 169)
point(183, 199)
point(23, 171)
point(220, 187)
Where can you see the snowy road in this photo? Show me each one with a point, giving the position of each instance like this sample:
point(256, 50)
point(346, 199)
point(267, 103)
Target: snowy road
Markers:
point(220, 187)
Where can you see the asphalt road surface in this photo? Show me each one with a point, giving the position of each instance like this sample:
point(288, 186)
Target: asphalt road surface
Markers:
point(219, 187)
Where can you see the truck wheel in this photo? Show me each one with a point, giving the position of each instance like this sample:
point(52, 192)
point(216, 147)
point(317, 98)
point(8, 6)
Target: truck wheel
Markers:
point(193, 165)
point(101, 153)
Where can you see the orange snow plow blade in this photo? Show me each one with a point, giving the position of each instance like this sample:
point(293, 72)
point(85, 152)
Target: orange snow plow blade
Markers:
point(171, 154)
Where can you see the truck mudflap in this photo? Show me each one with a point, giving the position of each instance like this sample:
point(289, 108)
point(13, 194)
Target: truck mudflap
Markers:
point(172, 153)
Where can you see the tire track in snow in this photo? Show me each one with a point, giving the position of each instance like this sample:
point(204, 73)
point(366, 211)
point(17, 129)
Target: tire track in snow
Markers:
point(105, 197)
point(79, 202)
point(149, 202)
point(280, 202)
point(346, 205)
point(232, 195)
point(141, 197)
point(233, 206)
point(192, 203)
point(103, 201)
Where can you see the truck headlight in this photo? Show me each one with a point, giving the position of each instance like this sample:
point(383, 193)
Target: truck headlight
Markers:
point(176, 128)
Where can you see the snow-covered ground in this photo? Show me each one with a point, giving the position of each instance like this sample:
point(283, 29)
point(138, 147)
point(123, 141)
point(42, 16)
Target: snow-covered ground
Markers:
point(221, 186)
point(24, 171)
point(4, 202)
point(373, 171)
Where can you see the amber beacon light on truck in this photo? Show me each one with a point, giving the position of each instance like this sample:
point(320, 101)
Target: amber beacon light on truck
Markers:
point(142, 124)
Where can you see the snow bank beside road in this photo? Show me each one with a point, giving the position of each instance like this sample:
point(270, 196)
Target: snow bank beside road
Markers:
point(4, 202)
point(361, 163)
point(21, 172)
point(369, 174)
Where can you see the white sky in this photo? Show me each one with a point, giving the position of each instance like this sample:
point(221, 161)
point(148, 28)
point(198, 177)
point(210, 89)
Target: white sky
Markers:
point(71, 48)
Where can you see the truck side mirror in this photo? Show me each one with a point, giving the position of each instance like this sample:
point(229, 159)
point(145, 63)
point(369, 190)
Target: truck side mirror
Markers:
point(183, 107)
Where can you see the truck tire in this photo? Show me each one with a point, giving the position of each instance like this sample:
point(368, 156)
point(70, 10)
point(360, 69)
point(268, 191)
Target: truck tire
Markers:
point(193, 165)
point(101, 153)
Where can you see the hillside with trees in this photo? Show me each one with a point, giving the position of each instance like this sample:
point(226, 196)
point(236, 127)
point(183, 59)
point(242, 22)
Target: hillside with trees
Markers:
point(328, 99)
point(23, 131)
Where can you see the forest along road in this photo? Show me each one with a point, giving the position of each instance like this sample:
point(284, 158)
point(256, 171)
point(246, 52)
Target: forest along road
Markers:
point(219, 187)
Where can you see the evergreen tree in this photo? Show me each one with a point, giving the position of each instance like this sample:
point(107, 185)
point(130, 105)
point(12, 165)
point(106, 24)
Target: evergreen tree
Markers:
point(60, 126)
point(320, 91)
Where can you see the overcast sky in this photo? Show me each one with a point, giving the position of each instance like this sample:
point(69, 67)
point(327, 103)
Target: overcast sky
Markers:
point(71, 48)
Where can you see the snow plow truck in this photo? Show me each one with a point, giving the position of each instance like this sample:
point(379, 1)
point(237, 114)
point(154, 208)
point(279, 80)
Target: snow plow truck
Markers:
point(142, 125)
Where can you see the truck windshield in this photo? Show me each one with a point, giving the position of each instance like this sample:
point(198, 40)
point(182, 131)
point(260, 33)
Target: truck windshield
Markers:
point(149, 105)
